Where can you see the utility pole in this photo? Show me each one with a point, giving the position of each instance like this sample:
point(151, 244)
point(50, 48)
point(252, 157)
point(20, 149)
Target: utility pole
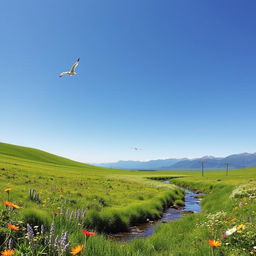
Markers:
point(202, 168)
point(227, 169)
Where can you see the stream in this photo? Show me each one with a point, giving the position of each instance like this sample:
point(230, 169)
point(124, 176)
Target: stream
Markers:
point(192, 205)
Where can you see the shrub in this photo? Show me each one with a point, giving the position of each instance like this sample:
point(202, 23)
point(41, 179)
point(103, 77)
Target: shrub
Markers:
point(36, 217)
point(179, 202)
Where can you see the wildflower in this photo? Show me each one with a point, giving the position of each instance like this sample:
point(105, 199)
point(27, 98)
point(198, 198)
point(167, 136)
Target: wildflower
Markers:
point(51, 236)
point(30, 236)
point(13, 227)
point(55, 213)
point(87, 233)
point(240, 227)
point(231, 231)
point(10, 243)
point(214, 243)
point(7, 253)
point(15, 206)
point(64, 240)
point(77, 250)
point(7, 190)
point(7, 203)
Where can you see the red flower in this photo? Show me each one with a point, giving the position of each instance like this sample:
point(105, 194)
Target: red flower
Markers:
point(87, 233)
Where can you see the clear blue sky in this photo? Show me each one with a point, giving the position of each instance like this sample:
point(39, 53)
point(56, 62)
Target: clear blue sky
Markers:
point(174, 77)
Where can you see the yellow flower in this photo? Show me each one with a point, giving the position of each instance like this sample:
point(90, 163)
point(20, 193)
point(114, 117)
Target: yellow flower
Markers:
point(77, 250)
point(7, 190)
point(7, 253)
point(15, 206)
point(240, 227)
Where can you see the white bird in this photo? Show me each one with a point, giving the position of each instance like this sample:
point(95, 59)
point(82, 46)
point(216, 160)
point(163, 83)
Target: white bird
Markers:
point(72, 70)
point(136, 148)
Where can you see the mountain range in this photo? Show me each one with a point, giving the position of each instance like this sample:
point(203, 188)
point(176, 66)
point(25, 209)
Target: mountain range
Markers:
point(235, 161)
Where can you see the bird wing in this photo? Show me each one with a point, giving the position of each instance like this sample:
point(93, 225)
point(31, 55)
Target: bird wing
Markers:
point(63, 73)
point(74, 66)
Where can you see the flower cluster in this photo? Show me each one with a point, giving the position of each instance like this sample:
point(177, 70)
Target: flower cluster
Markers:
point(38, 239)
point(248, 190)
point(235, 231)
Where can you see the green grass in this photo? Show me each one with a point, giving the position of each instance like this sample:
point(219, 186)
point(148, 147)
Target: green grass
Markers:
point(115, 199)
point(36, 155)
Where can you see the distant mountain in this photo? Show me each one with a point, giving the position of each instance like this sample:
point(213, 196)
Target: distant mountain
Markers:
point(236, 161)
point(140, 165)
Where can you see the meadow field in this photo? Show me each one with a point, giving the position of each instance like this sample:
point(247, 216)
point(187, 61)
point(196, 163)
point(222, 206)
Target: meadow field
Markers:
point(55, 206)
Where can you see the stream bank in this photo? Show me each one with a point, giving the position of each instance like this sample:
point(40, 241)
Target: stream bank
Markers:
point(191, 205)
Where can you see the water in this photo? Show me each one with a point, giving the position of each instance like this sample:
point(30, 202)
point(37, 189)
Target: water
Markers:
point(192, 205)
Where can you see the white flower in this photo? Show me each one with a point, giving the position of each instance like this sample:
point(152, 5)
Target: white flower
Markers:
point(231, 231)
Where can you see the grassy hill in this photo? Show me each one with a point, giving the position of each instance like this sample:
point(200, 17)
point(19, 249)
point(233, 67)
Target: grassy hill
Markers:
point(35, 155)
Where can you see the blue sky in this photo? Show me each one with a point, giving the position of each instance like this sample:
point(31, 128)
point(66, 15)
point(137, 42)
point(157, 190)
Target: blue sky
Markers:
point(176, 78)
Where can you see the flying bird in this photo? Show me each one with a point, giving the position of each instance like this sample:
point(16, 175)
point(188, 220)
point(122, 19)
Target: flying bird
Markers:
point(72, 70)
point(136, 148)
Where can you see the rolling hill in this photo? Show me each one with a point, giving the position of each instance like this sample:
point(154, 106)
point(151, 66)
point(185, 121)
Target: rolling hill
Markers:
point(37, 155)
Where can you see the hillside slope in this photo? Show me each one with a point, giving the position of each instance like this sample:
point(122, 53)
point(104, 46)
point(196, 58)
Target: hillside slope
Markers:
point(36, 155)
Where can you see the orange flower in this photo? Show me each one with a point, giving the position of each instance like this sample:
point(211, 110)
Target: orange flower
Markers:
point(77, 250)
point(7, 203)
point(7, 253)
point(214, 243)
point(13, 227)
point(7, 190)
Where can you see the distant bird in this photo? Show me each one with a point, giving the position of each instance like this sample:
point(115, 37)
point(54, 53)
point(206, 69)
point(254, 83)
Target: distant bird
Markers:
point(72, 70)
point(136, 148)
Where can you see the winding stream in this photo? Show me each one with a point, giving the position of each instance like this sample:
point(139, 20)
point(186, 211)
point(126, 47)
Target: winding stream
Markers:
point(192, 205)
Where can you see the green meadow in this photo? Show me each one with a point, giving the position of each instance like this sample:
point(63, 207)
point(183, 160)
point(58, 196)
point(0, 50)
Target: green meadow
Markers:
point(59, 197)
